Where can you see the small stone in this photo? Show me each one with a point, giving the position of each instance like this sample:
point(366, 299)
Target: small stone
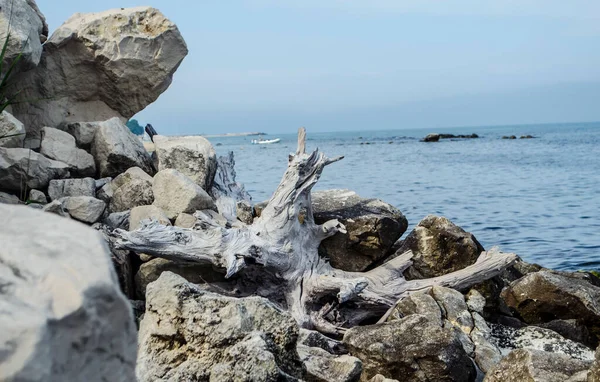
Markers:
point(475, 301)
point(147, 212)
point(185, 220)
point(7, 198)
point(83, 208)
point(58, 145)
point(36, 196)
point(175, 193)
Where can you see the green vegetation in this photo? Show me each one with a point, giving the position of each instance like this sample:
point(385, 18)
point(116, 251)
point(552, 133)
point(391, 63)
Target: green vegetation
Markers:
point(135, 127)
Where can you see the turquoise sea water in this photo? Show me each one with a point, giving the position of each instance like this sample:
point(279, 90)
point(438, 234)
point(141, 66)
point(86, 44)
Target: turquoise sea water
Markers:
point(539, 198)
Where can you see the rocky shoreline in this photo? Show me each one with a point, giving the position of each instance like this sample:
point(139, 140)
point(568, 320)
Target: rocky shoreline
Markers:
point(121, 265)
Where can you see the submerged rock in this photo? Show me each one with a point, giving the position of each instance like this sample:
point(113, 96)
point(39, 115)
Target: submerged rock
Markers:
point(373, 227)
point(536, 366)
point(96, 66)
point(439, 247)
point(432, 138)
point(20, 167)
point(190, 334)
point(62, 315)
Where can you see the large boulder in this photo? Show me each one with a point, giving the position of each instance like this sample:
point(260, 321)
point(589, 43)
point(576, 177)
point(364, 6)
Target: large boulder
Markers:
point(101, 65)
point(24, 166)
point(194, 335)
point(439, 247)
point(410, 349)
point(60, 188)
point(175, 193)
point(62, 315)
point(546, 296)
point(12, 131)
point(28, 31)
point(131, 189)
point(58, 145)
point(116, 149)
point(193, 156)
point(536, 366)
point(373, 227)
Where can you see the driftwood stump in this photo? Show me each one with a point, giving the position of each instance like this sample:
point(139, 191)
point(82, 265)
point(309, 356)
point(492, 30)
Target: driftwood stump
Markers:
point(277, 256)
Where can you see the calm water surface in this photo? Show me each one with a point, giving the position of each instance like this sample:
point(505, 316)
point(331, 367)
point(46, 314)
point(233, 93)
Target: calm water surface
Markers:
point(539, 198)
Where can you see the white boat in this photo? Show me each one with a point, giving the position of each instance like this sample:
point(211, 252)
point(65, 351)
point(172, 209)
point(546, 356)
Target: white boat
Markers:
point(265, 141)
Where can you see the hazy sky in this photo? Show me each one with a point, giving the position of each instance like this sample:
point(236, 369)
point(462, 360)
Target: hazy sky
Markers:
point(275, 65)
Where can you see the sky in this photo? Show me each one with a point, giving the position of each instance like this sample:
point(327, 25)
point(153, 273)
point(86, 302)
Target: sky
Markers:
point(275, 65)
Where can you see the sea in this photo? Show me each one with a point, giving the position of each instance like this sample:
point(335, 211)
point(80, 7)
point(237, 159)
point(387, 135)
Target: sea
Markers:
point(538, 198)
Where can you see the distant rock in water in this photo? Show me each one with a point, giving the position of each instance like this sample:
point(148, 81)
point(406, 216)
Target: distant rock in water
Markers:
point(527, 136)
point(509, 137)
point(436, 137)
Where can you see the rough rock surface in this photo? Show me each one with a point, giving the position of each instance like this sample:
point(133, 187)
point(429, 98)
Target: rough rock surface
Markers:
point(83, 132)
point(58, 145)
point(535, 366)
point(118, 220)
point(314, 339)
point(6, 198)
point(83, 208)
point(36, 196)
point(190, 334)
point(185, 220)
point(546, 296)
point(594, 372)
point(192, 156)
point(324, 367)
point(115, 149)
point(131, 189)
point(19, 166)
point(12, 131)
point(175, 193)
point(410, 349)
point(101, 65)
point(62, 315)
point(373, 227)
point(28, 30)
point(146, 212)
point(439, 247)
point(60, 188)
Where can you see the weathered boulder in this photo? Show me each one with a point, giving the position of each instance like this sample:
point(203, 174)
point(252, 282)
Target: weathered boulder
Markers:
point(314, 339)
point(83, 208)
point(56, 207)
point(243, 211)
point(28, 30)
point(37, 196)
point(193, 156)
point(410, 349)
point(60, 188)
point(373, 227)
point(97, 66)
point(118, 220)
point(62, 315)
point(195, 273)
point(7, 198)
point(433, 137)
point(83, 132)
point(535, 366)
point(58, 145)
point(546, 296)
point(24, 166)
point(12, 131)
point(191, 334)
point(594, 372)
point(140, 213)
point(115, 149)
point(175, 193)
point(381, 378)
point(185, 220)
point(131, 189)
point(439, 247)
point(322, 366)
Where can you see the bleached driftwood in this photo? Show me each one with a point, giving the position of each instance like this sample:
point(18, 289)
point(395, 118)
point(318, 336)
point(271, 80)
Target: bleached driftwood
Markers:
point(277, 256)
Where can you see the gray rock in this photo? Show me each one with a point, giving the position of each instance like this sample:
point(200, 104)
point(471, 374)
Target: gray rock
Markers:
point(241, 338)
point(82, 76)
point(324, 367)
point(185, 220)
point(195, 273)
point(193, 156)
point(7, 198)
point(115, 149)
point(83, 208)
point(20, 166)
point(83, 132)
point(417, 303)
point(594, 372)
point(381, 378)
point(486, 353)
point(410, 349)
point(27, 26)
point(546, 296)
point(432, 138)
point(373, 227)
point(62, 315)
point(147, 212)
point(175, 193)
point(102, 182)
point(36, 196)
point(61, 188)
point(314, 339)
point(58, 145)
point(56, 207)
point(105, 193)
point(244, 212)
point(571, 329)
point(12, 131)
point(131, 189)
point(475, 301)
point(454, 308)
point(439, 247)
point(535, 366)
point(118, 220)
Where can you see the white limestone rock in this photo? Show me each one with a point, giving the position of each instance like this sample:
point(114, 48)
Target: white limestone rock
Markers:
point(60, 188)
point(130, 189)
point(175, 193)
point(24, 166)
point(58, 145)
point(37, 196)
point(62, 315)
point(28, 30)
point(101, 65)
point(83, 208)
point(146, 212)
point(12, 131)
